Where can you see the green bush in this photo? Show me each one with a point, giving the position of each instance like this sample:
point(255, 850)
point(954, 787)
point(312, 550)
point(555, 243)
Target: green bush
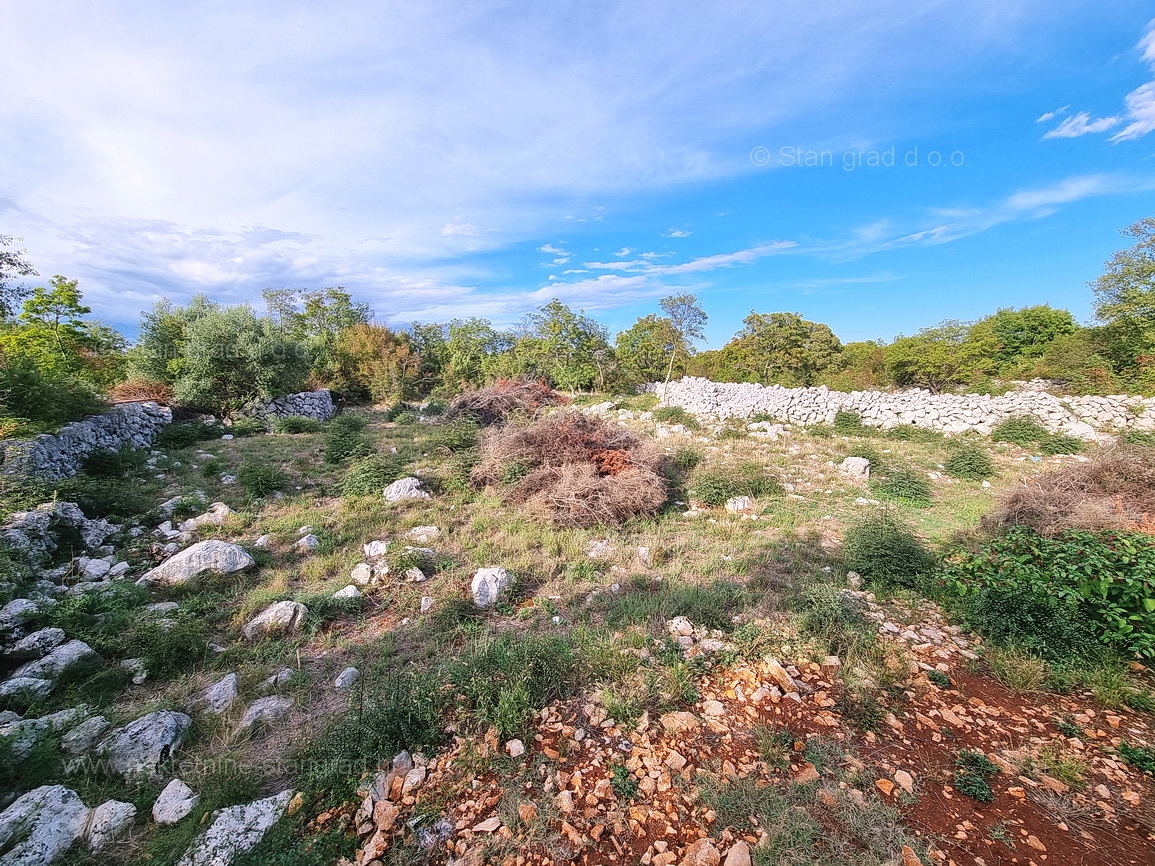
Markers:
point(459, 434)
point(344, 439)
point(1061, 444)
point(1137, 437)
point(113, 464)
point(396, 410)
point(406, 418)
point(973, 768)
point(182, 434)
point(715, 485)
point(676, 415)
point(247, 427)
point(370, 475)
point(261, 479)
point(835, 617)
point(1027, 617)
point(1139, 757)
point(913, 433)
point(883, 549)
point(103, 497)
point(970, 462)
point(433, 408)
point(1021, 430)
point(686, 458)
point(849, 423)
point(1104, 578)
point(29, 392)
point(293, 424)
point(868, 452)
point(903, 485)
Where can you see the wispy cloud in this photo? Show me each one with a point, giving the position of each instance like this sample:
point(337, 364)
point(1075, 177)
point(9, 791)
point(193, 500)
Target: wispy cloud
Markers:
point(676, 233)
point(1051, 115)
point(1081, 124)
point(1141, 112)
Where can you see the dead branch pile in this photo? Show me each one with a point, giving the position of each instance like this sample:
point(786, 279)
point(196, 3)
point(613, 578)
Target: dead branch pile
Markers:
point(1115, 489)
point(133, 390)
point(574, 469)
point(505, 397)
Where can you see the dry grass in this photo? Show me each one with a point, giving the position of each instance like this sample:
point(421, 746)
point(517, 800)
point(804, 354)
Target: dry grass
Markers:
point(1115, 489)
point(134, 390)
point(577, 470)
point(505, 397)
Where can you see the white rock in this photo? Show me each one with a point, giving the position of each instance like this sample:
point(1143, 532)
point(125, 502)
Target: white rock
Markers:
point(362, 573)
point(162, 607)
point(263, 541)
point(57, 661)
point(281, 617)
point(515, 748)
point(599, 549)
point(376, 549)
point(855, 467)
point(26, 688)
point(220, 695)
point(107, 823)
point(426, 603)
point(216, 515)
point(41, 825)
point(37, 644)
point(414, 575)
point(346, 678)
point(307, 543)
point(278, 679)
point(93, 569)
point(349, 591)
point(139, 748)
point(264, 710)
point(204, 556)
point(424, 534)
point(84, 736)
point(405, 488)
point(740, 504)
point(235, 830)
point(175, 802)
point(488, 585)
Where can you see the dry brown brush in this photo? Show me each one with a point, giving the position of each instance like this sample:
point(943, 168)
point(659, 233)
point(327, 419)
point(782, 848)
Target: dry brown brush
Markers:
point(1115, 489)
point(574, 469)
point(502, 399)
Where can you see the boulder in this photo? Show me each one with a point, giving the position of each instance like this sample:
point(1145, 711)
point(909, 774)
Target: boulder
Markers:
point(216, 515)
point(107, 823)
point(220, 695)
point(84, 736)
point(26, 688)
point(488, 585)
point(57, 661)
point(405, 488)
point(375, 549)
point(307, 544)
point(281, 617)
point(140, 747)
point(38, 644)
point(362, 573)
point(235, 830)
point(175, 802)
point(41, 825)
point(204, 556)
point(264, 710)
point(855, 467)
point(346, 679)
point(349, 591)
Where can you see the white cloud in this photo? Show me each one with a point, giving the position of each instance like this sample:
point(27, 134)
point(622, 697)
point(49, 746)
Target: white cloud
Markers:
point(725, 260)
point(624, 251)
point(1051, 115)
point(1081, 124)
point(464, 230)
point(676, 233)
point(561, 260)
point(1140, 111)
point(551, 250)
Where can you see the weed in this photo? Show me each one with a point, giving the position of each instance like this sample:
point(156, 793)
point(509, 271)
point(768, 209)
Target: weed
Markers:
point(1060, 444)
point(295, 424)
point(261, 479)
point(247, 427)
point(1017, 669)
point(973, 768)
point(345, 440)
point(903, 485)
point(849, 423)
point(883, 549)
point(456, 436)
point(623, 782)
point(685, 458)
point(370, 475)
point(775, 745)
point(939, 679)
point(676, 415)
point(1068, 728)
point(914, 433)
point(970, 462)
point(1000, 833)
point(1021, 430)
point(714, 486)
point(836, 617)
point(182, 434)
point(1139, 757)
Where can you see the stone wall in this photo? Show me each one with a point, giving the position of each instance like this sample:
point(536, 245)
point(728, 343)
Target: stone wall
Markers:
point(307, 404)
point(52, 457)
point(1085, 417)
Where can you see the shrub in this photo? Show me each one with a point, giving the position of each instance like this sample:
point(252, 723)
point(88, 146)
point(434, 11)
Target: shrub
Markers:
point(583, 471)
point(247, 427)
point(849, 423)
point(344, 439)
point(903, 485)
point(1115, 489)
point(913, 433)
point(293, 424)
point(407, 417)
point(883, 549)
point(713, 486)
point(868, 452)
point(183, 434)
point(1139, 757)
point(397, 409)
point(1105, 578)
point(970, 462)
point(371, 475)
point(456, 435)
point(686, 458)
point(29, 392)
point(1021, 430)
point(505, 397)
point(433, 408)
point(103, 497)
point(137, 390)
point(676, 415)
point(113, 464)
point(1060, 444)
point(973, 768)
point(261, 479)
point(835, 617)
point(1138, 437)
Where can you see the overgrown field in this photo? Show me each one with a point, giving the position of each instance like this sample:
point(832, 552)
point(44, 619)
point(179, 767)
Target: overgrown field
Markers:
point(608, 535)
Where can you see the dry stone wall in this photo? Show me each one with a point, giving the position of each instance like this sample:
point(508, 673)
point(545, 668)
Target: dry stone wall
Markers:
point(308, 404)
point(1084, 417)
point(52, 457)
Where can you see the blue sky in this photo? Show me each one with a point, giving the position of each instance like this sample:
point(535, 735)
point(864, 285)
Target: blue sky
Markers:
point(444, 160)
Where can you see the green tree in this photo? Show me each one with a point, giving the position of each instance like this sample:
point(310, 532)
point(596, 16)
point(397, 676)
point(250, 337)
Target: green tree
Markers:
point(13, 266)
point(159, 352)
point(645, 349)
point(1125, 297)
point(861, 367)
point(377, 363)
point(1022, 335)
point(473, 349)
point(687, 319)
point(58, 314)
point(1077, 359)
point(428, 342)
point(781, 348)
point(570, 349)
point(939, 357)
point(232, 358)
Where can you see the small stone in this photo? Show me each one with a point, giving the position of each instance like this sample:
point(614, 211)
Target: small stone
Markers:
point(84, 736)
point(700, 853)
point(885, 785)
point(346, 679)
point(220, 696)
point(515, 748)
point(488, 825)
point(362, 573)
point(426, 603)
point(738, 855)
point(264, 711)
point(909, 858)
point(375, 549)
point(107, 823)
point(349, 591)
point(175, 802)
point(405, 488)
point(526, 813)
point(904, 780)
point(488, 585)
point(278, 679)
point(307, 544)
point(282, 617)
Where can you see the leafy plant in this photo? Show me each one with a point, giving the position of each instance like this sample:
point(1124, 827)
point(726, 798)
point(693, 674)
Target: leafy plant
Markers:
point(903, 485)
point(247, 427)
point(372, 474)
point(623, 782)
point(1022, 430)
point(261, 479)
point(294, 424)
point(973, 768)
point(882, 548)
point(714, 486)
point(1060, 444)
point(939, 679)
point(1140, 757)
point(970, 462)
point(676, 415)
point(849, 423)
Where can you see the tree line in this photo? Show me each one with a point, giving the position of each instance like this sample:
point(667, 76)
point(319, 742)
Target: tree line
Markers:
point(58, 363)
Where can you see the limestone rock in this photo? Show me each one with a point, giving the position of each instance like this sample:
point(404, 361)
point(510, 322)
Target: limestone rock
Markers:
point(235, 830)
point(107, 823)
point(307, 543)
point(26, 688)
point(41, 825)
point(855, 467)
point(175, 802)
point(220, 695)
point(84, 736)
point(375, 549)
point(738, 855)
point(37, 644)
point(216, 515)
point(140, 747)
point(277, 680)
point(204, 556)
point(405, 488)
point(346, 679)
point(56, 662)
point(488, 585)
point(281, 617)
point(700, 853)
point(349, 591)
point(264, 711)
